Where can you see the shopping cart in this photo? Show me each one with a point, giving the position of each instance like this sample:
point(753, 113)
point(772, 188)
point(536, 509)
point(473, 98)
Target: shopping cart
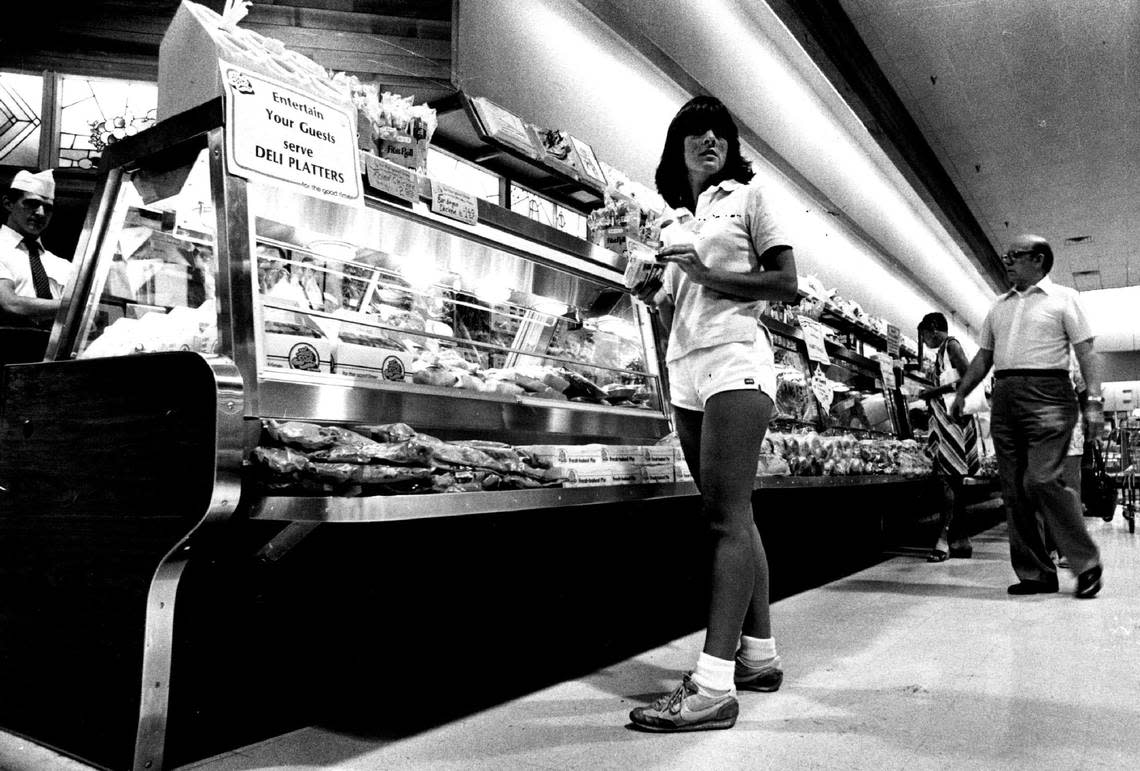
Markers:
point(1128, 503)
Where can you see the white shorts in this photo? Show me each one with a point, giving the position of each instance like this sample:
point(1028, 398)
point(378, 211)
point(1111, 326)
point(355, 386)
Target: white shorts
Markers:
point(698, 375)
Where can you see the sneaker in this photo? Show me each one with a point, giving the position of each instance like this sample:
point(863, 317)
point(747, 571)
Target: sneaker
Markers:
point(1088, 583)
point(686, 709)
point(765, 677)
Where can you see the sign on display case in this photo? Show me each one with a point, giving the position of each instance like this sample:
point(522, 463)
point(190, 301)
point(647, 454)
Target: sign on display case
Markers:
point(290, 137)
point(454, 203)
point(894, 337)
point(887, 370)
point(814, 338)
point(391, 178)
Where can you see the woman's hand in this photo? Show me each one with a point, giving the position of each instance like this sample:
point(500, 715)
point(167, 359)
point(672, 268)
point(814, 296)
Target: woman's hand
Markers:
point(686, 258)
point(648, 292)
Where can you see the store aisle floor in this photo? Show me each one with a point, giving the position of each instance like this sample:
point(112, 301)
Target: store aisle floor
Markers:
point(903, 665)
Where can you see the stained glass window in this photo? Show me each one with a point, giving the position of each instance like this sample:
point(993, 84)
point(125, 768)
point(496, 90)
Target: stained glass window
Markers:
point(21, 97)
point(96, 112)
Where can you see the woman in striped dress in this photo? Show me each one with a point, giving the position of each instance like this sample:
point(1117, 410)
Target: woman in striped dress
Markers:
point(954, 445)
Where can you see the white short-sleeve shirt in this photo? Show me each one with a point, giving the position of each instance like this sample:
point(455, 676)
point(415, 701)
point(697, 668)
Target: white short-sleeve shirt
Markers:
point(14, 265)
point(732, 227)
point(1034, 329)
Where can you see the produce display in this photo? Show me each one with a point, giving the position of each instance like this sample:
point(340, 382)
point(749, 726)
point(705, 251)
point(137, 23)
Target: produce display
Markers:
point(813, 454)
point(809, 453)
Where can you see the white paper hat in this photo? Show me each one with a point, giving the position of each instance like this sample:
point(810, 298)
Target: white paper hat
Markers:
point(42, 184)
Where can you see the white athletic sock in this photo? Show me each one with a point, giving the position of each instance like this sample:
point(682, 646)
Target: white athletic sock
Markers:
point(757, 648)
point(713, 675)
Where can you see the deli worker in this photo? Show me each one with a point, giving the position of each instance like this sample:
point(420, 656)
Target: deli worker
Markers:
point(31, 277)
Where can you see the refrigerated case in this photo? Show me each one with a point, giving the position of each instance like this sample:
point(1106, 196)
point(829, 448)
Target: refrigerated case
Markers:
point(205, 304)
point(371, 313)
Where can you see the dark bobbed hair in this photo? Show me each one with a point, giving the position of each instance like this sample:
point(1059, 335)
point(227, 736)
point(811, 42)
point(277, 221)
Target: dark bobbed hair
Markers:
point(695, 117)
point(933, 322)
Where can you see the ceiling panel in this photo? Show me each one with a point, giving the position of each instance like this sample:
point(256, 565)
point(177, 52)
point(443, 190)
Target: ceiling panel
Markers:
point(1033, 109)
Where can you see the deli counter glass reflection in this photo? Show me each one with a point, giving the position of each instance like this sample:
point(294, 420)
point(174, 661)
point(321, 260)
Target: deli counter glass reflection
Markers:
point(372, 295)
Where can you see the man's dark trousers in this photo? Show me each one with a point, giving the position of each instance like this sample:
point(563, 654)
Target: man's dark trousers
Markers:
point(1033, 419)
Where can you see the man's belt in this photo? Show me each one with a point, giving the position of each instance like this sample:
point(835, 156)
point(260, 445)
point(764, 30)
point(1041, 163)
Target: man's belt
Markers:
point(1001, 374)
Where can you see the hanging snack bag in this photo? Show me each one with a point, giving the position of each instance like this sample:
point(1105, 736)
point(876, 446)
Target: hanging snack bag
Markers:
point(401, 130)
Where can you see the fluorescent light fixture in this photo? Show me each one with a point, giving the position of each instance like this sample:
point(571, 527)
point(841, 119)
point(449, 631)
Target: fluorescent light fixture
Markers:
point(1087, 280)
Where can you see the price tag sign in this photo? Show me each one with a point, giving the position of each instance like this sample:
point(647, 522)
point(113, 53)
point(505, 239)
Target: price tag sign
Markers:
point(291, 137)
point(454, 203)
point(814, 337)
point(821, 387)
point(894, 337)
point(887, 370)
point(387, 177)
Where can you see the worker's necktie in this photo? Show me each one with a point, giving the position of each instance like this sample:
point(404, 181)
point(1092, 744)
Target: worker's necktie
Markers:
point(39, 275)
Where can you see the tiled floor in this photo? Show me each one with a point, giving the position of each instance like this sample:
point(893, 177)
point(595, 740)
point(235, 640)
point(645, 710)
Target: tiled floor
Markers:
point(904, 665)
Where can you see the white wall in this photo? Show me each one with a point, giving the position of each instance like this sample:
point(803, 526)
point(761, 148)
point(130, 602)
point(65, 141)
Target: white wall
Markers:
point(1115, 317)
point(1122, 396)
point(555, 64)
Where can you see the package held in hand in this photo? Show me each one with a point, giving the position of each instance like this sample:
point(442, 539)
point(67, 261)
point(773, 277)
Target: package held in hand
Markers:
point(642, 268)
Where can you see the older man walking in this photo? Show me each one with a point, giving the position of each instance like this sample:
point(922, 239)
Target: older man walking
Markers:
point(1027, 336)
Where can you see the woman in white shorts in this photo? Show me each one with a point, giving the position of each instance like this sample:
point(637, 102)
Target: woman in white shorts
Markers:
point(726, 258)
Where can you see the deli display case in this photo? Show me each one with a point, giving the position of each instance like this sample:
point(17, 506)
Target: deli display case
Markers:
point(208, 308)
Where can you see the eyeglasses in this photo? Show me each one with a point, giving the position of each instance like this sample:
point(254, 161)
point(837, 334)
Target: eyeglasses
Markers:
point(1009, 257)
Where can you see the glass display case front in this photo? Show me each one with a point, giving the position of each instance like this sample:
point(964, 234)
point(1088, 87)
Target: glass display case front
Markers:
point(377, 312)
point(374, 295)
point(154, 284)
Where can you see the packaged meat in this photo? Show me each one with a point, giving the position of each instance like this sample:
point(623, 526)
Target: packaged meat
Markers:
point(389, 432)
point(280, 461)
point(309, 436)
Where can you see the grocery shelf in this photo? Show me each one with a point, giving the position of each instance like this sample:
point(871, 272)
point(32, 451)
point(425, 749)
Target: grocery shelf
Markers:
point(459, 131)
point(391, 508)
